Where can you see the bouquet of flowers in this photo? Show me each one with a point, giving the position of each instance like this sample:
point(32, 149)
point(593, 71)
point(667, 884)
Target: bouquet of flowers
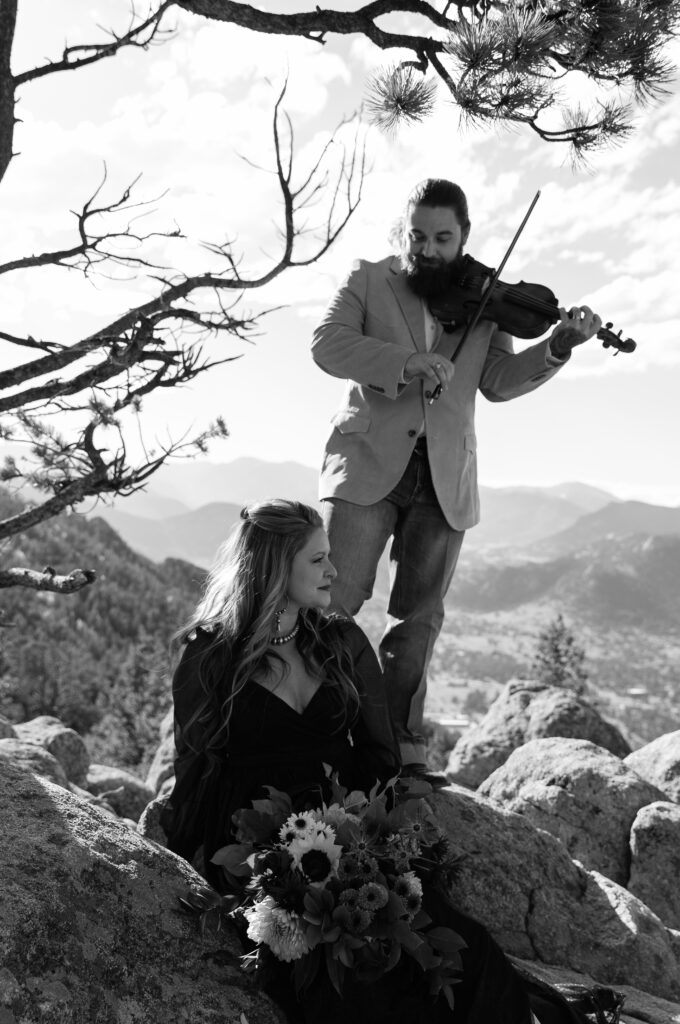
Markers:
point(341, 886)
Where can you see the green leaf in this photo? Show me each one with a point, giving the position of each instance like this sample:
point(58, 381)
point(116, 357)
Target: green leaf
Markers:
point(234, 859)
point(445, 939)
point(305, 970)
point(420, 920)
point(336, 971)
point(252, 826)
point(282, 803)
point(394, 908)
point(393, 956)
point(425, 956)
point(409, 939)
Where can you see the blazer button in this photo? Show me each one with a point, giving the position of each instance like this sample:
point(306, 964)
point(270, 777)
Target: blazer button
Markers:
point(428, 394)
point(412, 433)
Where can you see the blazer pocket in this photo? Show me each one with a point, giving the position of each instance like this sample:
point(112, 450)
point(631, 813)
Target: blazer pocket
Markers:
point(470, 443)
point(351, 421)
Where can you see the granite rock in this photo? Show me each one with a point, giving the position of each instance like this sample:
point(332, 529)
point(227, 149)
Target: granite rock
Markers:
point(580, 793)
point(523, 711)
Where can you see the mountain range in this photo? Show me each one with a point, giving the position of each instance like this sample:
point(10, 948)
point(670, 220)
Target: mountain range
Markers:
point(189, 508)
point(611, 567)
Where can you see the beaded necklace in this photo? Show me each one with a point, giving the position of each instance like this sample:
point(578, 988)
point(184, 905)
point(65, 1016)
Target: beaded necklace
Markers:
point(278, 640)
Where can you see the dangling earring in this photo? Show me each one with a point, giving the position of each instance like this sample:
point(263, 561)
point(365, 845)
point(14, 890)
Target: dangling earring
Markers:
point(278, 638)
point(277, 618)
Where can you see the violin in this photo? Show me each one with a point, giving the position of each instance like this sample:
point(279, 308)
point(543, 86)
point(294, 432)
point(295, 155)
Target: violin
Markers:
point(523, 310)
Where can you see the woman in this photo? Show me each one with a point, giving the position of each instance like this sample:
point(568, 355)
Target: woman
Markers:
point(267, 692)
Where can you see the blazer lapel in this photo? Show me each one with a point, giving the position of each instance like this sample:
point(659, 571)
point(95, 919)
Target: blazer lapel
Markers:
point(409, 303)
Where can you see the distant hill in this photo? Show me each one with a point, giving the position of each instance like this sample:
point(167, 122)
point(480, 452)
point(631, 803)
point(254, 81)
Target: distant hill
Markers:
point(67, 654)
point(147, 504)
point(586, 496)
point(620, 597)
point(63, 654)
point(167, 520)
point(238, 482)
point(613, 582)
point(193, 536)
point(520, 515)
point(617, 519)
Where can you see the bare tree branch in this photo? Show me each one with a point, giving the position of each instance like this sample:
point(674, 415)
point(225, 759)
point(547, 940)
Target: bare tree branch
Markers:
point(47, 580)
point(157, 344)
point(92, 247)
point(42, 346)
point(139, 34)
point(8, 19)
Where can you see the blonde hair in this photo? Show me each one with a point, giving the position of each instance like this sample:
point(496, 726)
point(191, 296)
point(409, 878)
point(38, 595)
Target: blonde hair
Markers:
point(243, 591)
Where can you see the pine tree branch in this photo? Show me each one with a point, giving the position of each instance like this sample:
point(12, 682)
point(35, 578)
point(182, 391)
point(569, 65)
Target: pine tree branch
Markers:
point(319, 23)
point(515, 75)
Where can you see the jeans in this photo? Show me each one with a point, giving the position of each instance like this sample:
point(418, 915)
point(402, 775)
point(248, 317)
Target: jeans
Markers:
point(423, 558)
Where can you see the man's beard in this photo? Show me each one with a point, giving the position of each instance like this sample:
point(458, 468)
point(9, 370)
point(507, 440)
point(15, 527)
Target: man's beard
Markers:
point(428, 278)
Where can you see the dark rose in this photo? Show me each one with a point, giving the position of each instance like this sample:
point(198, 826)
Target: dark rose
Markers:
point(316, 865)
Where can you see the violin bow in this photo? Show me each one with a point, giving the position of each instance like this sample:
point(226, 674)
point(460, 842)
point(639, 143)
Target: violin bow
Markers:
point(487, 294)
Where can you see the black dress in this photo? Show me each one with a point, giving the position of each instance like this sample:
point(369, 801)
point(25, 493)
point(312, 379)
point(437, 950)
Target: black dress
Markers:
point(271, 744)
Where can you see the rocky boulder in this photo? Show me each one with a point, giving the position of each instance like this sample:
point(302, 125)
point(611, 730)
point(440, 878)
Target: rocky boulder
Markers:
point(523, 711)
point(162, 767)
point(90, 931)
point(659, 763)
point(655, 860)
point(33, 759)
point(6, 729)
point(123, 792)
point(541, 905)
point(63, 743)
point(638, 1005)
point(580, 793)
point(149, 824)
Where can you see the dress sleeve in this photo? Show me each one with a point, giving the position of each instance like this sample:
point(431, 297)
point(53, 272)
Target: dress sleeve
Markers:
point(375, 745)
point(183, 817)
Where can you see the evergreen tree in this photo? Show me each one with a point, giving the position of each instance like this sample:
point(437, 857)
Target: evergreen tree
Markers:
point(127, 733)
point(559, 660)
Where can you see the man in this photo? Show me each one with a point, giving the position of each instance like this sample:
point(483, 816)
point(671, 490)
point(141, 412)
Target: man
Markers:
point(401, 459)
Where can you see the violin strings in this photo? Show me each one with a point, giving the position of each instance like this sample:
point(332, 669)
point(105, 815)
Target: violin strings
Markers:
point(529, 302)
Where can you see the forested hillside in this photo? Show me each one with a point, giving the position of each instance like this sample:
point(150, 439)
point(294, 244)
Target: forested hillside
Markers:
point(98, 659)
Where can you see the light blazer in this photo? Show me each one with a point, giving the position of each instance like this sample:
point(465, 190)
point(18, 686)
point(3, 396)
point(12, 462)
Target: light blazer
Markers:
point(372, 325)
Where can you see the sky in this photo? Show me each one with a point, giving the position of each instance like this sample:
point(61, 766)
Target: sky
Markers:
point(193, 117)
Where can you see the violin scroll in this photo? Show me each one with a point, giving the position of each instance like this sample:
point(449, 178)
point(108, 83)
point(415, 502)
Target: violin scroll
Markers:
point(611, 340)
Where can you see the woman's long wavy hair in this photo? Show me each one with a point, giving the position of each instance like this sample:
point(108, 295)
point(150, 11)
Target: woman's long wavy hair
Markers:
point(245, 588)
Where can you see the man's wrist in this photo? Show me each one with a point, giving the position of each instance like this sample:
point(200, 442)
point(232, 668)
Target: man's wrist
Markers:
point(406, 377)
point(559, 348)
